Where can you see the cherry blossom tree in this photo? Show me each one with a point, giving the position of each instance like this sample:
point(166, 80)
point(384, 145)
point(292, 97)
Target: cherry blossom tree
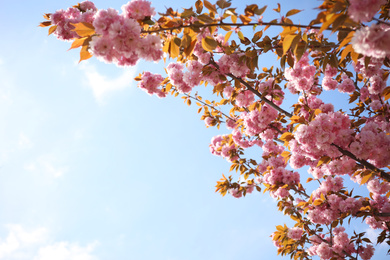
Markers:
point(345, 48)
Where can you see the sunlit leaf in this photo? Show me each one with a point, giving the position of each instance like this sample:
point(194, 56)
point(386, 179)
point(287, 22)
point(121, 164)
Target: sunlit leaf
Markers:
point(84, 53)
point(210, 6)
point(52, 29)
point(84, 29)
point(199, 6)
point(292, 12)
point(209, 44)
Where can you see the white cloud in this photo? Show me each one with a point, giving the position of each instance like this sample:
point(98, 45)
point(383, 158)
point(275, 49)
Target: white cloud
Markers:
point(19, 241)
point(24, 142)
point(66, 251)
point(36, 244)
point(47, 165)
point(102, 86)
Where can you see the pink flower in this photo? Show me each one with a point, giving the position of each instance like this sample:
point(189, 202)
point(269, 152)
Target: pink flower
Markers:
point(295, 233)
point(138, 9)
point(151, 83)
point(372, 41)
point(364, 10)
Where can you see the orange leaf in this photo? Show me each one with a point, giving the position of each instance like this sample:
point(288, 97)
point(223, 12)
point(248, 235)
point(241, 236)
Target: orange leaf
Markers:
point(78, 43)
point(210, 6)
point(52, 29)
point(287, 41)
point(84, 29)
point(323, 160)
point(199, 6)
point(84, 53)
point(345, 52)
point(292, 12)
point(346, 40)
point(245, 19)
point(209, 44)
point(366, 179)
point(45, 24)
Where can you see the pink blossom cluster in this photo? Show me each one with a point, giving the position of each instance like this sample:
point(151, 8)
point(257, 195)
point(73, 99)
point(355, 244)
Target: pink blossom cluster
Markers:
point(272, 162)
point(364, 10)
point(281, 176)
point(328, 83)
point(269, 134)
point(302, 76)
point(334, 205)
point(64, 19)
point(119, 37)
point(313, 102)
point(151, 83)
point(343, 166)
point(315, 140)
point(231, 64)
point(337, 246)
point(228, 91)
point(267, 88)
point(376, 83)
point(185, 81)
point(295, 233)
point(238, 192)
point(245, 98)
point(221, 146)
point(244, 143)
point(138, 10)
point(231, 123)
point(257, 121)
point(203, 56)
point(372, 41)
point(379, 202)
point(373, 68)
point(373, 143)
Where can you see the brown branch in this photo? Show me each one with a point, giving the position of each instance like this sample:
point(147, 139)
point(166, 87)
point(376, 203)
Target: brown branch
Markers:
point(384, 175)
point(243, 24)
point(383, 214)
point(212, 107)
point(257, 93)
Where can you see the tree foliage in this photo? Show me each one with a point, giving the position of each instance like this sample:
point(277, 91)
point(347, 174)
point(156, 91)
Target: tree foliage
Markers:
point(345, 48)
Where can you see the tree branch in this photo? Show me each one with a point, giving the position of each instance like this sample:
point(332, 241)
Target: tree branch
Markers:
point(243, 24)
point(384, 175)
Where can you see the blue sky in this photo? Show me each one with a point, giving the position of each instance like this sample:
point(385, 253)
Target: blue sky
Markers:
point(91, 167)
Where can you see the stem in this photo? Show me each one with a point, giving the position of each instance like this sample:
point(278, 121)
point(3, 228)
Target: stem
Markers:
point(266, 100)
point(384, 175)
point(380, 21)
point(241, 25)
point(212, 107)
